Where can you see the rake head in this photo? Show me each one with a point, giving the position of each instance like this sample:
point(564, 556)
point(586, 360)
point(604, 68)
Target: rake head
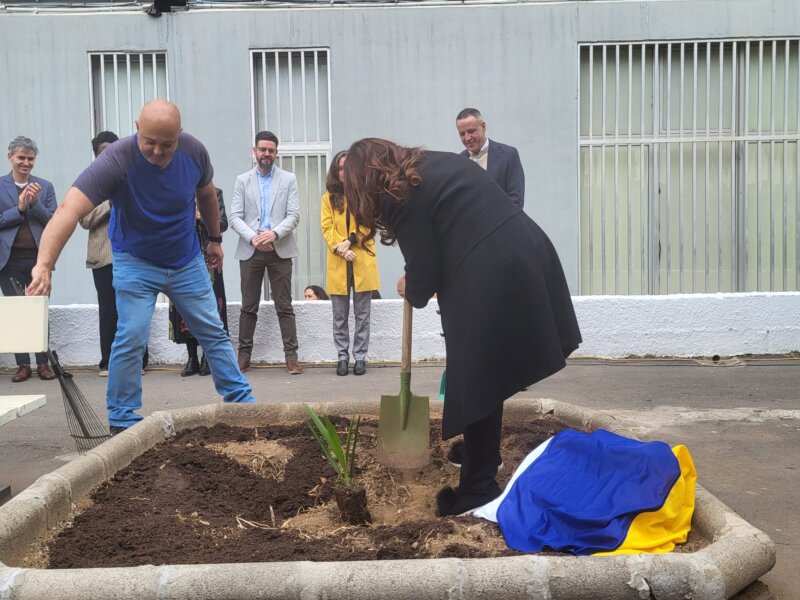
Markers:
point(84, 426)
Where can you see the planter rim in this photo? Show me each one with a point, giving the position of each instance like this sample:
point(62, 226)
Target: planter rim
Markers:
point(738, 555)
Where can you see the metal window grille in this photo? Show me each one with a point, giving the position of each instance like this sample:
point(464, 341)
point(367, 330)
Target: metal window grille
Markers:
point(291, 98)
point(689, 167)
point(120, 84)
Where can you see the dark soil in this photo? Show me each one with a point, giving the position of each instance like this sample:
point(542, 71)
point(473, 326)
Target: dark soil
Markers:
point(225, 494)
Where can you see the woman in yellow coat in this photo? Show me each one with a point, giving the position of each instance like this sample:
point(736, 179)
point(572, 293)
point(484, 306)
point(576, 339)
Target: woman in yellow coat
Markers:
point(351, 266)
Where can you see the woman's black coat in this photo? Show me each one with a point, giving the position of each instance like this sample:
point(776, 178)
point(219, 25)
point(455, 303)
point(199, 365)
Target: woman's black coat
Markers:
point(506, 310)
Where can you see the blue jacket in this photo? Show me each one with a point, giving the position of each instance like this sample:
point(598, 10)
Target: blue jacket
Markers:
point(10, 218)
point(504, 166)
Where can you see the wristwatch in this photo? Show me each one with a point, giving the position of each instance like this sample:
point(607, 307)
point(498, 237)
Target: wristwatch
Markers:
point(215, 238)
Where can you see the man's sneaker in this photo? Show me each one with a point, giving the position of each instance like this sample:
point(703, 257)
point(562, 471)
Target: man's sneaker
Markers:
point(104, 372)
point(115, 429)
point(455, 456)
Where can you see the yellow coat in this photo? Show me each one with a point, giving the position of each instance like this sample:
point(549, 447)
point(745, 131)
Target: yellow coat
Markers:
point(365, 265)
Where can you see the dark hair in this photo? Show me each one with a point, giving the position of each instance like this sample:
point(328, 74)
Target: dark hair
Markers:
point(268, 136)
point(318, 292)
point(335, 187)
point(469, 112)
point(104, 137)
point(374, 168)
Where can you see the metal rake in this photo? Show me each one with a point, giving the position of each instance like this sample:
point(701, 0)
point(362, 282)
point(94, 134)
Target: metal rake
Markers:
point(84, 426)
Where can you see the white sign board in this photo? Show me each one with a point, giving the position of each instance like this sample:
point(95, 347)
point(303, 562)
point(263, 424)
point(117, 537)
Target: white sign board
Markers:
point(24, 320)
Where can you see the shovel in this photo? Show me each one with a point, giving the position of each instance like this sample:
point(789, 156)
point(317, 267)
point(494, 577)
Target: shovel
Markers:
point(404, 427)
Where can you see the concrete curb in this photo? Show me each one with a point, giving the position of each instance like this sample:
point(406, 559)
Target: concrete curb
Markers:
point(738, 556)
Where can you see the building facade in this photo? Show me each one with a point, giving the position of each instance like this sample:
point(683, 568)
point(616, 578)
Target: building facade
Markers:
point(659, 138)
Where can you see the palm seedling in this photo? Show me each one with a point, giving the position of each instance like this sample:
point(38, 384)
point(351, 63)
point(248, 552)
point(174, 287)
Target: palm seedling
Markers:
point(341, 455)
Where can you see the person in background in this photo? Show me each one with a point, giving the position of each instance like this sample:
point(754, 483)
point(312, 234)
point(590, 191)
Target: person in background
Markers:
point(27, 204)
point(499, 160)
point(98, 259)
point(178, 329)
point(265, 211)
point(352, 267)
point(506, 309)
point(315, 292)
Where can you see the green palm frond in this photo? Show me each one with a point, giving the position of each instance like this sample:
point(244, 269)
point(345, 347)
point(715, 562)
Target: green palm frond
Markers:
point(342, 458)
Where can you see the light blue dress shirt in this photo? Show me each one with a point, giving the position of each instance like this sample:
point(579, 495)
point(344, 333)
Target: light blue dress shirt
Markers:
point(265, 184)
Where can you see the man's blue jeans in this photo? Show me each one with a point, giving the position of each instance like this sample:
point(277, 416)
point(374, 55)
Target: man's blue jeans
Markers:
point(137, 283)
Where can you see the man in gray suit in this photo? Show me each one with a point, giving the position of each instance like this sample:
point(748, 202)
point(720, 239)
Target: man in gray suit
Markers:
point(26, 205)
point(265, 211)
point(499, 160)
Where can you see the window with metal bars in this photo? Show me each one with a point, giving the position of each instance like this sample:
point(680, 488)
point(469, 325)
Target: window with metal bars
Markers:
point(291, 98)
point(689, 167)
point(121, 83)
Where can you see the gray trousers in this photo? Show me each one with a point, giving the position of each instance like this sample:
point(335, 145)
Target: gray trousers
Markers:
point(341, 331)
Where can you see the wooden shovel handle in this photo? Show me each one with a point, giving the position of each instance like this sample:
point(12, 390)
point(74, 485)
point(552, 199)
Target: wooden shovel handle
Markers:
point(405, 361)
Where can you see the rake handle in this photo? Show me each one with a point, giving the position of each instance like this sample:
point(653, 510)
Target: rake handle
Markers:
point(405, 360)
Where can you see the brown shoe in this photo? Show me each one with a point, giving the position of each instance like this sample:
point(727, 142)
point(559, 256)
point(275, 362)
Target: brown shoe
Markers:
point(23, 374)
point(293, 366)
point(45, 372)
point(244, 363)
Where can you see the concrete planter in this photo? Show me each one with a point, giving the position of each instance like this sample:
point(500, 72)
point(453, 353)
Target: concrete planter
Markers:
point(738, 555)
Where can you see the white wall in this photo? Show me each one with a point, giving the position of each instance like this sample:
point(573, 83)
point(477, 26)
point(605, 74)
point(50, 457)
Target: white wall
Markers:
point(612, 327)
point(689, 324)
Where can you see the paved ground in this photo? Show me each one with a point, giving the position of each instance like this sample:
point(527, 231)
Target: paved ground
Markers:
point(739, 419)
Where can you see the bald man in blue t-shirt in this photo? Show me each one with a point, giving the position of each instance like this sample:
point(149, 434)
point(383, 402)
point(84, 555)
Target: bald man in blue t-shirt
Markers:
point(152, 179)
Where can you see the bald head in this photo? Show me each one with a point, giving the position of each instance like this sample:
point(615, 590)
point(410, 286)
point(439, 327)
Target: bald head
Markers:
point(161, 112)
point(159, 127)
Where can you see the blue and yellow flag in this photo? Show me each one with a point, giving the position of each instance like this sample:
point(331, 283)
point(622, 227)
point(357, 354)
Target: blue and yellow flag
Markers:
point(597, 493)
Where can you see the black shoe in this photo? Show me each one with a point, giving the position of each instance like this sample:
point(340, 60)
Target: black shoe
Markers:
point(455, 456)
point(454, 502)
point(204, 368)
point(192, 367)
point(445, 501)
point(341, 368)
point(360, 367)
point(115, 429)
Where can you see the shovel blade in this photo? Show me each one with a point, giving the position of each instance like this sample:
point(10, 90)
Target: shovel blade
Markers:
point(404, 439)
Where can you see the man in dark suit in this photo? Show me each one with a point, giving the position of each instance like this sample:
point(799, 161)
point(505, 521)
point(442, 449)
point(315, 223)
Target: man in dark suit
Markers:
point(26, 205)
point(500, 161)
